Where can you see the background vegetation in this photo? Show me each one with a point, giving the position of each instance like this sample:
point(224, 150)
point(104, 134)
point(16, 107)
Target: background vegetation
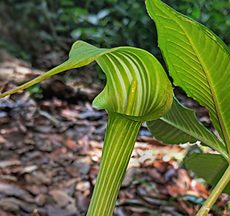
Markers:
point(32, 29)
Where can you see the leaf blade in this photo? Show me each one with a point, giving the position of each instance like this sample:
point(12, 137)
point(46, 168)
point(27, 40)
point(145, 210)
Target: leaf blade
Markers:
point(180, 125)
point(210, 167)
point(198, 61)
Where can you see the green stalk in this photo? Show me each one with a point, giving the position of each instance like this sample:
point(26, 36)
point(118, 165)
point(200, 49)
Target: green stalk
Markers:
point(218, 189)
point(118, 146)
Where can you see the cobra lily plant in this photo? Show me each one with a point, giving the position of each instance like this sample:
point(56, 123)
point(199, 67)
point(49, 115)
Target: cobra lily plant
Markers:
point(137, 90)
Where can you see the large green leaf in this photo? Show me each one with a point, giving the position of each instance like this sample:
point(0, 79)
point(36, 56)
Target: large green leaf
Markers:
point(198, 61)
point(210, 167)
point(180, 125)
point(137, 85)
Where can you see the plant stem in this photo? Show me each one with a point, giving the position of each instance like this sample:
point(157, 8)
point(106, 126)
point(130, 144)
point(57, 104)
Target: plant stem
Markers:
point(218, 189)
point(118, 146)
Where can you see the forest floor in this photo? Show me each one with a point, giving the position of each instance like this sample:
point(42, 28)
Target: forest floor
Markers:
point(50, 151)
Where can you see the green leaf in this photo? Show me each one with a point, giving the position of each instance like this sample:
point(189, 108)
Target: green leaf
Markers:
point(180, 125)
point(137, 85)
point(198, 61)
point(210, 167)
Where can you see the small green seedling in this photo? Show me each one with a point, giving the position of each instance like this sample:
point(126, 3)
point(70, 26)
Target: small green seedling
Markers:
point(199, 62)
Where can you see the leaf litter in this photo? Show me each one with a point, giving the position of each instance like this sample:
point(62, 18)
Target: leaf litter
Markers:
point(49, 159)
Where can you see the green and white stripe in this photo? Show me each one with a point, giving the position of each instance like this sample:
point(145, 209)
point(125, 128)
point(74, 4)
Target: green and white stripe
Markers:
point(137, 85)
point(137, 89)
point(119, 142)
